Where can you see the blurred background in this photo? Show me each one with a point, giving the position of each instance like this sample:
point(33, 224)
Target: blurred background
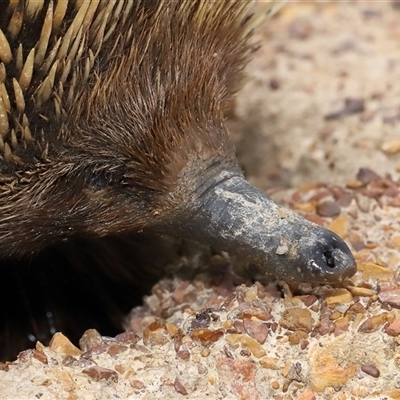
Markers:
point(322, 98)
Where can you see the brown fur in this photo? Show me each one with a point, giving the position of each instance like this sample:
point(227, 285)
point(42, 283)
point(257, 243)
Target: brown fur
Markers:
point(125, 149)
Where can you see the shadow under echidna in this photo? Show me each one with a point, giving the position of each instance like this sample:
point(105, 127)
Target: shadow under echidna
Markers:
point(112, 133)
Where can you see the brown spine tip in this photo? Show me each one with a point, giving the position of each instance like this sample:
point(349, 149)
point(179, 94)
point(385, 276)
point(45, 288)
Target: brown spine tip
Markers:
point(5, 49)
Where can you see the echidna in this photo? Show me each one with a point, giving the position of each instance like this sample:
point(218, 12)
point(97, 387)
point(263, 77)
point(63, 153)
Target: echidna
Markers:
point(112, 122)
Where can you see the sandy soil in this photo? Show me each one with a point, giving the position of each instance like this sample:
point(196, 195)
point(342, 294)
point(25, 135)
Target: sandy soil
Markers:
point(322, 97)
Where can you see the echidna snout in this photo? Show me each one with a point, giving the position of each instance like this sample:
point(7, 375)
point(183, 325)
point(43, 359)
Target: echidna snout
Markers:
point(234, 216)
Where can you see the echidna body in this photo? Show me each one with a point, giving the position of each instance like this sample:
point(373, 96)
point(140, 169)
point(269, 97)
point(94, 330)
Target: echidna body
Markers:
point(112, 121)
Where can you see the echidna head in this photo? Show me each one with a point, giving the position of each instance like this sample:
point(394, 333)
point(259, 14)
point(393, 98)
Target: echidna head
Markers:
point(112, 120)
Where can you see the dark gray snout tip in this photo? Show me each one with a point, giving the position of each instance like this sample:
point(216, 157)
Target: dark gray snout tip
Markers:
point(329, 259)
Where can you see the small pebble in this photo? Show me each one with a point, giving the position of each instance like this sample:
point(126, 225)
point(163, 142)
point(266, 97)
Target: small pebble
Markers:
point(90, 338)
point(61, 344)
point(391, 146)
point(297, 337)
point(393, 329)
point(99, 373)
point(4, 366)
point(116, 349)
point(373, 323)
point(366, 175)
point(205, 352)
point(344, 199)
point(127, 338)
point(155, 334)
point(310, 300)
point(356, 308)
point(335, 315)
point(371, 370)
point(274, 84)
point(206, 336)
point(339, 296)
point(136, 384)
point(256, 329)
point(40, 356)
point(263, 315)
point(275, 385)
point(270, 362)
point(328, 209)
point(296, 319)
point(304, 344)
point(374, 271)
point(179, 387)
point(248, 342)
point(360, 291)
point(354, 184)
point(391, 296)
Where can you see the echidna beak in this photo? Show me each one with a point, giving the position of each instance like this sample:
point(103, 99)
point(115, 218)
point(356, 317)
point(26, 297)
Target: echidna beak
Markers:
point(234, 216)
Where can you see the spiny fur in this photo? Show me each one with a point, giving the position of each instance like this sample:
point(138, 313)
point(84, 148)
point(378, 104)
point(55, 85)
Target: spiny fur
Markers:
point(110, 111)
point(134, 92)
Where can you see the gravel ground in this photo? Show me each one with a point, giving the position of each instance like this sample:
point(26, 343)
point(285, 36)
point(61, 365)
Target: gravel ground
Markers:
point(319, 113)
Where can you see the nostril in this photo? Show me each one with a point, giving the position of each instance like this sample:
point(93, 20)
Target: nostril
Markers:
point(328, 258)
